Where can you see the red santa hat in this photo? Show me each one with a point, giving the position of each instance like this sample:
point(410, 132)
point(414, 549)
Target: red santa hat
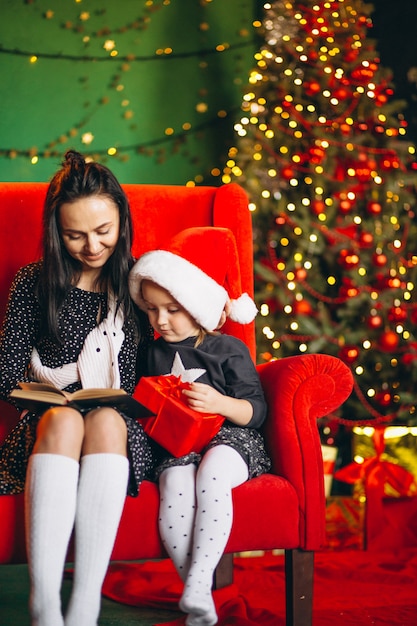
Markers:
point(200, 269)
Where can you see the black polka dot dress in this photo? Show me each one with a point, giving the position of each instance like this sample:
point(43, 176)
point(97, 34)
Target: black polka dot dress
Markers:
point(81, 312)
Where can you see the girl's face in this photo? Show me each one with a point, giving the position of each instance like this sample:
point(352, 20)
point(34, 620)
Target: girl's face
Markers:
point(90, 231)
point(167, 317)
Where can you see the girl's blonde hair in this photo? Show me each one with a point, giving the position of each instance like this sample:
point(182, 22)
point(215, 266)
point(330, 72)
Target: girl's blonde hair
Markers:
point(203, 333)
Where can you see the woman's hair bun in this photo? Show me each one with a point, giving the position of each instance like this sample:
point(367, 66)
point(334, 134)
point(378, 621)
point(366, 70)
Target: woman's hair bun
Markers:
point(74, 158)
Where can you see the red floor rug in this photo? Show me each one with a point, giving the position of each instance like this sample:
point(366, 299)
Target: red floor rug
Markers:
point(351, 588)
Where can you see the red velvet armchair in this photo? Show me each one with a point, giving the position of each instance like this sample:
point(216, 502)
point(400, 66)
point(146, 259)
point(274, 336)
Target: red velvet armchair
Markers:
point(284, 509)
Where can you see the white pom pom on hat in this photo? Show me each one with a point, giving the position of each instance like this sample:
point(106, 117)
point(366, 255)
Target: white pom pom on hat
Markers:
point(200, 269)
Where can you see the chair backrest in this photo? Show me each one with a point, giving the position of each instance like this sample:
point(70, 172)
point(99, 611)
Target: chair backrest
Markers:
point(159, 212)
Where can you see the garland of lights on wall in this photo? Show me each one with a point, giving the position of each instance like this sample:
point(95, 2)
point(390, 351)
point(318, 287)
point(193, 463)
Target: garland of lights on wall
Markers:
point(123, 64)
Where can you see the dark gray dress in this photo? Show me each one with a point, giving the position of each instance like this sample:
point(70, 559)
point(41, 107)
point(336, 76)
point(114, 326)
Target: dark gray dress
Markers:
point(228, 367)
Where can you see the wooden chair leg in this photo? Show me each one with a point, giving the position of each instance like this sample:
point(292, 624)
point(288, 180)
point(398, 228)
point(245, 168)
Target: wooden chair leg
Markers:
point(299, 571)
point(223, 574)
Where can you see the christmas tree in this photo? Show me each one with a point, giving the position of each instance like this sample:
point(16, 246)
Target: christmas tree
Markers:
point(322, 152)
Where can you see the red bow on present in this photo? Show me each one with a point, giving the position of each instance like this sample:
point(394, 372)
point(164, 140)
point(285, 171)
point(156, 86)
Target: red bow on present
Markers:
point(170, 385)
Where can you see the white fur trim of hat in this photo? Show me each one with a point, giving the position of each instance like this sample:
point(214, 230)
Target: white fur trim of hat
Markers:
point(201, 272)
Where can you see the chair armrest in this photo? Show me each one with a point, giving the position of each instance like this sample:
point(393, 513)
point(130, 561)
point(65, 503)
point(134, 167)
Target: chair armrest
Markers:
point(298, 391)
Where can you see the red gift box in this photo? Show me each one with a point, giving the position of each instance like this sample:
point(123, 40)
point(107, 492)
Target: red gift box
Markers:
point(387, 519)
point(345, 518)
point(174, 426)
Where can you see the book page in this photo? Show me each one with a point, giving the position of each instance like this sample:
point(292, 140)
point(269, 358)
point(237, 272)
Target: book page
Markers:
point(33, 386)
point(95, 393)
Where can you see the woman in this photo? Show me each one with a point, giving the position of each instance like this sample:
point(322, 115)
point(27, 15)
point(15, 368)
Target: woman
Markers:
point(70, 322)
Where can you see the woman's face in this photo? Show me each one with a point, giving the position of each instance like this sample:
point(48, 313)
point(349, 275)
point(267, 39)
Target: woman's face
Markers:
point(90, 231)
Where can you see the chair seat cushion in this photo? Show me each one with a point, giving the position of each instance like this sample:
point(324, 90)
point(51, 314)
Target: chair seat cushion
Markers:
point(265, 517)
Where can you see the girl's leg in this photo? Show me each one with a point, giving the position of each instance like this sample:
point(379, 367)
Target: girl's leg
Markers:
point(50, 501)
point(104, 474)
point(221, 469)
point(176, 514)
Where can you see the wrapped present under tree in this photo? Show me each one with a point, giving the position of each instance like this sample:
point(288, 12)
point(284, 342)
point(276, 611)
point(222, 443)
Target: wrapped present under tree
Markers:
point(386, 483)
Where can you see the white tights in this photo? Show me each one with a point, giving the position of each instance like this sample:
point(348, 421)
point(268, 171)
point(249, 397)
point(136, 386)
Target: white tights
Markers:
point(195, 519)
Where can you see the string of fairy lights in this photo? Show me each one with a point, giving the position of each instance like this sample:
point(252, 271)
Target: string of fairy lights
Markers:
point(106, 37)
point(322, 150)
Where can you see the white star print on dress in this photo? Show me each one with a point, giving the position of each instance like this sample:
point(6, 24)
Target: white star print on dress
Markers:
point(187, 376)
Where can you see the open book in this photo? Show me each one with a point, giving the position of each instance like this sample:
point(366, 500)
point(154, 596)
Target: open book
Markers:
point(34, 396)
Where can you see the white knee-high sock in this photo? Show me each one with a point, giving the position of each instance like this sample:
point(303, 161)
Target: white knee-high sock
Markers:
point(50, 500)
point(221, 469)
point(101, 496)
point(177, 513)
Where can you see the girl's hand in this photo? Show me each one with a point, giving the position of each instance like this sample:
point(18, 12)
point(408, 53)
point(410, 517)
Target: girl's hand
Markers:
point(205, 399)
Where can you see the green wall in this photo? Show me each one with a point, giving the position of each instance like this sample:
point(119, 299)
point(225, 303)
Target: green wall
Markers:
point(75, 88)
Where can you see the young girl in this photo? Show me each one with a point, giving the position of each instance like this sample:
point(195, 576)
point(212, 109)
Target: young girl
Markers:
point(70, 322)
point(181, 290)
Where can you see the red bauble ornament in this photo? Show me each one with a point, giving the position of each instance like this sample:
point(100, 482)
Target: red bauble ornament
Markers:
point(348, 258)
point(312, 88)
point(374, 208)
point(389, 340)
point(348, 291)
point(351, 55)
point(379, 259)
point(301, 273)
point(383, 398)
point(365, 239)
point(345, 206)
point(375, 321)
point(287, 172)
point(389, 162)
point(380, 99)
point(397, 314)
point(363, 173)
point(364, 73)
point(349, 354)
point(302, 307)
point(318, 206)
point(316, 154)
point(345, 129)
point(411, 356)
point(394, 283)
point(342, 93)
